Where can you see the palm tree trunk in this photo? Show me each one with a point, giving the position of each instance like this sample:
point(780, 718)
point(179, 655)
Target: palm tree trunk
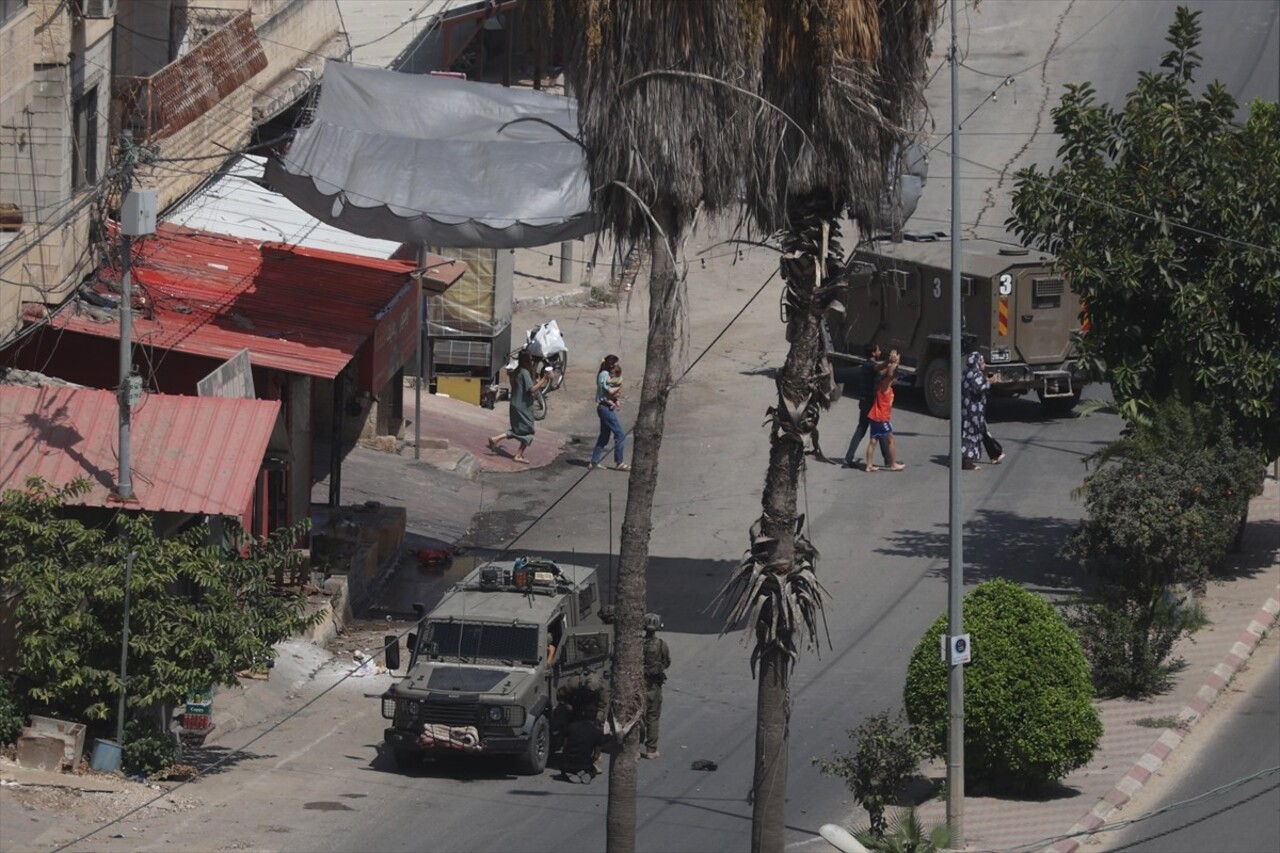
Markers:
point(803, 392)
point(628, 694)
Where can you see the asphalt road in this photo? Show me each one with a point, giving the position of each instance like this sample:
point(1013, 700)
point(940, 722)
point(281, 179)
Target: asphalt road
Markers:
point(319, 783)
point(1243, 819)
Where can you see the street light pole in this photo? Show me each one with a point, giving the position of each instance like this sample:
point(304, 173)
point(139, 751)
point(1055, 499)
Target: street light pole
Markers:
point(955, 583)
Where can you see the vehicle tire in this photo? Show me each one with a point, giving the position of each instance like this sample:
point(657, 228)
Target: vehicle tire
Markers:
point(539, 406)
point(1060, 406)
point(534, 759)
point(407, 759)
point(936, 380)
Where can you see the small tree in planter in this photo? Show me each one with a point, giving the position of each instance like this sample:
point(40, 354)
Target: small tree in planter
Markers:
point(885, 757)
point(1029, 715)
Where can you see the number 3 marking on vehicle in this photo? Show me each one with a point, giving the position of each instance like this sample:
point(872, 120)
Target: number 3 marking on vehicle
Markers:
point(937, 288)
point(1006, 284)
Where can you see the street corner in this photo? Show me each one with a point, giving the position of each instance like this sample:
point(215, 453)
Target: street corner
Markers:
point(468, 428)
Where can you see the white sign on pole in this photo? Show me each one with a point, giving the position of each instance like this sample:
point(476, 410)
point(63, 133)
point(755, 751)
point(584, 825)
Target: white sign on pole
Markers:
point(961, 649)
point(232, 378)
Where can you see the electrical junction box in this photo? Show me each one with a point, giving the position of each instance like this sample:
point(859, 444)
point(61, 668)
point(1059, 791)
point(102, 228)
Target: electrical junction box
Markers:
point(133, 389)
point(138, 213)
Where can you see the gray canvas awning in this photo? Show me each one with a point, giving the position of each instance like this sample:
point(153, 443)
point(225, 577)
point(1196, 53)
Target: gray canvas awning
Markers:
point(435, 160)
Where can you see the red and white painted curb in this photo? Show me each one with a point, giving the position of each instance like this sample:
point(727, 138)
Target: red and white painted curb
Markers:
point(1133, 781)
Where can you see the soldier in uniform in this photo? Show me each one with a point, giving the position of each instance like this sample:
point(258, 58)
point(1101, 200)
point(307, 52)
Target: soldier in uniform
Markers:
point(657, 658)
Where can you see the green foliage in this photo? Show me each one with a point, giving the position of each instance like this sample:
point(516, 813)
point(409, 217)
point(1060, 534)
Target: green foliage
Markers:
point(198, 613)
point(906, 835)
point(147, 750)
point(884, 759)
point(1164, 512)
point(1029, 715)
point(1167, 510)
point(1165, 214)
point(11, 717)
point(1128, 639)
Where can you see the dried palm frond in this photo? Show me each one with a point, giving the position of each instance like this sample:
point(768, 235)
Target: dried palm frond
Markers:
point(780, 598)
point(849, 72)
point(652, 116)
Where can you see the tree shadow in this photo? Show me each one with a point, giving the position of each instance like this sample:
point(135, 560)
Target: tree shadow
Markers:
point(680, 589)
point(211, 759)
point(998, 544)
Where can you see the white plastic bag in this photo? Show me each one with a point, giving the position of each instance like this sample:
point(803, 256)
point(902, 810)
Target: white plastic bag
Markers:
point(545, 340)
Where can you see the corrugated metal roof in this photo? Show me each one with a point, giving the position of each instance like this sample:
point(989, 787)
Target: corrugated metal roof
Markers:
point(235, 204)
point(298, 310)
point(189, 454)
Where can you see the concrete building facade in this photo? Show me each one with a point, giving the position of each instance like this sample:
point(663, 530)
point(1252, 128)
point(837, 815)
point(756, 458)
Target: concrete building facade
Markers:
point(190, 80)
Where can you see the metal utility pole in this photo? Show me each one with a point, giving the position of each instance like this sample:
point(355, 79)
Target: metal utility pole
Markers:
point(137, 218)
point(422, 328)
point(124, 648)
point(955, 583)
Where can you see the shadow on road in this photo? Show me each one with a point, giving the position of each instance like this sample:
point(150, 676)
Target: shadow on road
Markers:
point(998, 544)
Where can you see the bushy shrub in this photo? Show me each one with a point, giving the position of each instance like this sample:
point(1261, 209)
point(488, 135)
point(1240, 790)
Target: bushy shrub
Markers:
point(147, 750)
point(885, 757)
point(1029, 715)
point(1127, 641)
point(11, 717)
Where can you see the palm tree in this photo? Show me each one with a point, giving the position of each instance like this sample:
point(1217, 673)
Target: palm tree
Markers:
point(681, 105)
point(847, 75)
point(660, 148)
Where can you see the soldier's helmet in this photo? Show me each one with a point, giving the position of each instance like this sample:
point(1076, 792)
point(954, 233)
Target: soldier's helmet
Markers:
point(652, 622)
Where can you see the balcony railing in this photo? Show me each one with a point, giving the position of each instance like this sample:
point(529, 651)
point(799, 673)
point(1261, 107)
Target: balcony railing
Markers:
point(162, 104)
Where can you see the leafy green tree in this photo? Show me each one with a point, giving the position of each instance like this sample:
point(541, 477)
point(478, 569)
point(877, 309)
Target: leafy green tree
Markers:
point(198, 613)
point(1028, 701)
point(885, 757)
point(1162, 510)
point(1165, 214)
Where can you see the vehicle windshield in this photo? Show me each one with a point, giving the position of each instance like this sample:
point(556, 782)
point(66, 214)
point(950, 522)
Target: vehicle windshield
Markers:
point(480, 642)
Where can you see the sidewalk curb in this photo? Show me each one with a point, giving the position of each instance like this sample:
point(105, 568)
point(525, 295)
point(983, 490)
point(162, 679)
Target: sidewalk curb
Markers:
point(1191, 713)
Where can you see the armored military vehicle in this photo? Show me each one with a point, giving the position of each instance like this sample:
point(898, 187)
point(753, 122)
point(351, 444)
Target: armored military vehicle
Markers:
point(1015, 309)
point(486, 664)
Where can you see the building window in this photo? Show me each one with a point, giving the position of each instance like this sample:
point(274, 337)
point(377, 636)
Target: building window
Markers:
point(84, 143)
point(10, 8)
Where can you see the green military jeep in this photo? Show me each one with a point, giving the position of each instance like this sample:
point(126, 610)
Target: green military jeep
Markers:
point(486, 665)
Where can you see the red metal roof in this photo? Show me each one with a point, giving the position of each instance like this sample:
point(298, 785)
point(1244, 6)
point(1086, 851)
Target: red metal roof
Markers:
point(298, 310)
point(189, 454)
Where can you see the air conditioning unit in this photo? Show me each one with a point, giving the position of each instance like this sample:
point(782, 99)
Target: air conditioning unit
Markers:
point(99, 8)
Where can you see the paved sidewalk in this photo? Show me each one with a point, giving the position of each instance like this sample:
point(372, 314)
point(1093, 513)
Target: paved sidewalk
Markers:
point(1240, 609)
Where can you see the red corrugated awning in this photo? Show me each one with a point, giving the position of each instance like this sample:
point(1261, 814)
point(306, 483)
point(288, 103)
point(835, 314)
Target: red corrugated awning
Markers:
point(299, 310)
point(189, 454)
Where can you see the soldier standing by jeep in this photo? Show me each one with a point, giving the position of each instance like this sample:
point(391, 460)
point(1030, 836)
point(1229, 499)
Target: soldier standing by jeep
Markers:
point(657, 658)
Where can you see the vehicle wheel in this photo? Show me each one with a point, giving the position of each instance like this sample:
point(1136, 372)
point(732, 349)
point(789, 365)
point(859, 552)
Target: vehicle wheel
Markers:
point(936, 379)
point(407, 759)
point(539, 406)
point(534, 760)
point(1059, 405)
